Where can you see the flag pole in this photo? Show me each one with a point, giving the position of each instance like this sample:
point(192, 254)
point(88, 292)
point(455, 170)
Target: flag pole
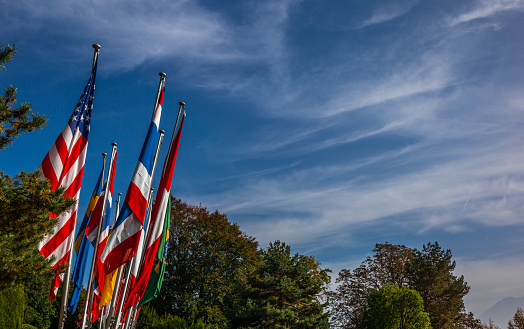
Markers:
point(128, 274)
point(138, 258)
point(161, 84)
point(65, 288)
point(89, 297)
point(118, 276)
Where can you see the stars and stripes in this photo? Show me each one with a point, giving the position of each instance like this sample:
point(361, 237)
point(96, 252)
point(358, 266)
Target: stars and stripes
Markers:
point(63, 166)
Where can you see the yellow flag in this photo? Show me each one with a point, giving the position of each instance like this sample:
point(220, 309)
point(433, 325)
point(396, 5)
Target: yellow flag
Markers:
point(109, 286)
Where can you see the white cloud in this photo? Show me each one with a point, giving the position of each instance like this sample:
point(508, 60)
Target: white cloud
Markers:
point(388, 12)
point(487, 8)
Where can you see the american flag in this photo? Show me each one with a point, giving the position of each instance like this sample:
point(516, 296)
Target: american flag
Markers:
point(63, 166)
point(157, 223)
point(123, 242)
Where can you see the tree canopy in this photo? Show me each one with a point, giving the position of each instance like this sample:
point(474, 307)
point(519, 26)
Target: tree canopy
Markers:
point(387, 265)
point(518, 320)
point(208, 258)
point(394, 307)
point(285, 291)
point(429, 272)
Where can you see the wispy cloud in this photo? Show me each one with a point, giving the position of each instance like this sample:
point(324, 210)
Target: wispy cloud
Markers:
point(388, 12)
point(487, 8)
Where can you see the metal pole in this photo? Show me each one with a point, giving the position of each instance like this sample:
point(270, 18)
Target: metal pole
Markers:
point(90, 295)
point(130, 269)
point(118, 276)
point(159, 90)
point(65, 288)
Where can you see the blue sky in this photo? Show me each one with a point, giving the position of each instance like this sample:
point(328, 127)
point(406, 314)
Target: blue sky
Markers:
point(330, 125)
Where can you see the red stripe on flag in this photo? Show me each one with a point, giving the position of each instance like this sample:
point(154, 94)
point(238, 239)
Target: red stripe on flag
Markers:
point(61, 147)
point(122, 253)
point(73, 156)
point(59, 237)
point(49, 172)
point(75, 185)
point(137, 202)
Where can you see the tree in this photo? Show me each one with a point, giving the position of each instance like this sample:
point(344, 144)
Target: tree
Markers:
point(12, 307)
point(285, 292)
point(15, 121)
point(387, 265)
point(518, 320)
point(149, 319)
point(208, 259)
point(394, 307)
point(26, 202)
point(38, 312)
point(430, 272)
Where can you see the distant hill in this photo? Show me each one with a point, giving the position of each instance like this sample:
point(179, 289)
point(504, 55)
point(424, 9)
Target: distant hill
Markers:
point(503, 311)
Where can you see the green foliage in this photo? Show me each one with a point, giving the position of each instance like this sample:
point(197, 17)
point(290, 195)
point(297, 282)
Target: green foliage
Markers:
point(387, 265)
point(28, 326)
point(208, 258)
point(12, 307)
point(24, 218)
point(39, 312)
point(430, 272)
point(394, 307)
point(284, 292)
point(15, 120)
point(149, 319)
point(518, 320)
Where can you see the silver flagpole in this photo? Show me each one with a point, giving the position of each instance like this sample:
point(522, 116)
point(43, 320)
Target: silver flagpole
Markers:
point(118, 276)
point(65, 288)
point(89, 297)
point(161, 137)
point(130, 269)
point(139, 258)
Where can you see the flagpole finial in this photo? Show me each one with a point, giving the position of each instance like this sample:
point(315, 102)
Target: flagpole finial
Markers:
point(114, 144)
point(119, 193)
point(96, 46)
point(182, 104)
point(161, 131)
point(104, 154)
point(162, 74)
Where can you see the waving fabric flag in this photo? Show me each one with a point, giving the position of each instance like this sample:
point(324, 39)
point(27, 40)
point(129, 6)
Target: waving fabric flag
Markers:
point(123, 242)
point(83, 249)
point(63, 166)
point(157, 274)
point(92, 226)
point(157, 223)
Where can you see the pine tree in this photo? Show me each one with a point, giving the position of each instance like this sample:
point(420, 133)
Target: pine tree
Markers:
point(285, 291)
point(15, 120)
point(430, 272)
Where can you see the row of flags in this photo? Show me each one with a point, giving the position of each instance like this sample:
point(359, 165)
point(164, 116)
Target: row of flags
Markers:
point(137, 240)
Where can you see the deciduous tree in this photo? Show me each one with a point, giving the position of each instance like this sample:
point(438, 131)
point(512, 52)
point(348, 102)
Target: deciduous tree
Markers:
point(387, 265)
point(394, 307)
point(208, 258)
point(518, 320)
